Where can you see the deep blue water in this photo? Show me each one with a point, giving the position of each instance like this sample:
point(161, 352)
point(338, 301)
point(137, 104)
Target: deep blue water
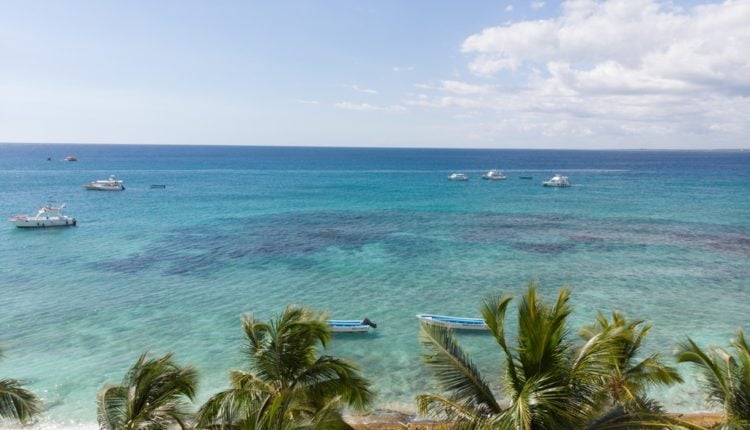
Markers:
point(663, 236)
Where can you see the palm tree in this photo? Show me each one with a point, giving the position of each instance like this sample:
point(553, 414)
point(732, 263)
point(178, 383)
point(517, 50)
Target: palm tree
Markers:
point(629, 378)
point(152, 396)
point(550, 382)
point(16, 402)
point(288, 385)
point(726, 377)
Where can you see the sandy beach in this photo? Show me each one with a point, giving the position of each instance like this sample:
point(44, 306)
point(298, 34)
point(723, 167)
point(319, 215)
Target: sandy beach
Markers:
point(391, 420)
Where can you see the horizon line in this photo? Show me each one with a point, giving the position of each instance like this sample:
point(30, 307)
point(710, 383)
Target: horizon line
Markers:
point(514, 148)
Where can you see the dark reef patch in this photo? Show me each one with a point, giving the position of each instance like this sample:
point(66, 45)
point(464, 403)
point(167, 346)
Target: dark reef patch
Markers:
point(293, 238)
point(554, 248)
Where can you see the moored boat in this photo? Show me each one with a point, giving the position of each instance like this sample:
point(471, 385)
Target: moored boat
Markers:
point(458, 177)
point(111, 184)
point(457, 323)
point(494, 175)
point(46, 216)
point(350, 326)
point(557, 181)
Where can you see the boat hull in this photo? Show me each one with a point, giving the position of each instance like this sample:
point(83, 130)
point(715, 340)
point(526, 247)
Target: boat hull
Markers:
point(456, 323)
point(347, 326)
point(43, 223)
point(458, 177)
point(104, 188)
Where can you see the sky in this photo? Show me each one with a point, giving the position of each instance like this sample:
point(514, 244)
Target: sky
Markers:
point(617, 74)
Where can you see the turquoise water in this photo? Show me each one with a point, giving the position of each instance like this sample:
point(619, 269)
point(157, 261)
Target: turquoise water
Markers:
point(380, 233)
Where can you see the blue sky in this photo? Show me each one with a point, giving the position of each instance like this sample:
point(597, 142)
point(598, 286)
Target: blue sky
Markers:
point(493, 74)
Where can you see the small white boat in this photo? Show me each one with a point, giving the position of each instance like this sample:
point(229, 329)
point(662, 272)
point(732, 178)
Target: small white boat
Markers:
point(350, 326)
point(46, 216)
point(557, 181)
point(458, 177)
point(111, 184)
point(457, 323)
point(494, 175)
point(71, 158)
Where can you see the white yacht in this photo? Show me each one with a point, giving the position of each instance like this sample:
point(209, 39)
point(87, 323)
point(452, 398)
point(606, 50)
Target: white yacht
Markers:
point(458, 177)
point(46, 216)
point(557, 181)
point(494, 175)
point(111, 184)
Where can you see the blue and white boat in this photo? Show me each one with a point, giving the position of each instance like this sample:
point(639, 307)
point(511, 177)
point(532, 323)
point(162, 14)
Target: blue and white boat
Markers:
point(350, 326)
point(457, 323)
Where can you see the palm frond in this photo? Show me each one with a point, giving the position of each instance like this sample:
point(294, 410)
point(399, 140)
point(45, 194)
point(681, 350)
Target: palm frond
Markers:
point(288, 385)
point(290, 344)
point(545, 398)
point(652, 372)
point(493, 311)
point(622, 420)
point(152, 394)
point(327, 417)
point(459, 415)
point(248, 381)
point(715, 372)
point(542, 333)
point(229, 409)
point(17, 402)
point(332, 377)
point(111, 404)
point(453, 369)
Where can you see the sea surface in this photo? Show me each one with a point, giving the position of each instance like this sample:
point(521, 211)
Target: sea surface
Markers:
point(378, 233)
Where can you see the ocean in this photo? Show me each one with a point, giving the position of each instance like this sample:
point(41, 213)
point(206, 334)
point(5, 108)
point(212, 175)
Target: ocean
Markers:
point(377, 233)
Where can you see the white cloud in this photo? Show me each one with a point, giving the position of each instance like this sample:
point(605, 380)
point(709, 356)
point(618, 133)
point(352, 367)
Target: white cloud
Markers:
point(458, 87)
point(308, 102)
point(368, 107)
point(509, 8)
point(361, 89)
point(704, 45)
point(619, 68)
point(537, 5)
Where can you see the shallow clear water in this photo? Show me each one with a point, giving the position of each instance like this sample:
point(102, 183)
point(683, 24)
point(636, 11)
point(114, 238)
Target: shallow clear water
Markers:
point(382, 233)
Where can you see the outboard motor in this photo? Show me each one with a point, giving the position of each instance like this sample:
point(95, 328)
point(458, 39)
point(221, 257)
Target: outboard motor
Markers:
point(370, 323)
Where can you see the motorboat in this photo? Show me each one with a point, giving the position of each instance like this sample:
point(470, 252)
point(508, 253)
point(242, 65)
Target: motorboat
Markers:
point(111, 184)
point(457, 323)
point(557, 181)
point(458, 177)
point(71, 158)
point(46, 216)
point(350, 326)
point(494, 175)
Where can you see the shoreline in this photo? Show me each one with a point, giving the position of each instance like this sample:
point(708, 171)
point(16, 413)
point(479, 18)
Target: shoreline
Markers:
point(382, 419)
point(394, 420)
